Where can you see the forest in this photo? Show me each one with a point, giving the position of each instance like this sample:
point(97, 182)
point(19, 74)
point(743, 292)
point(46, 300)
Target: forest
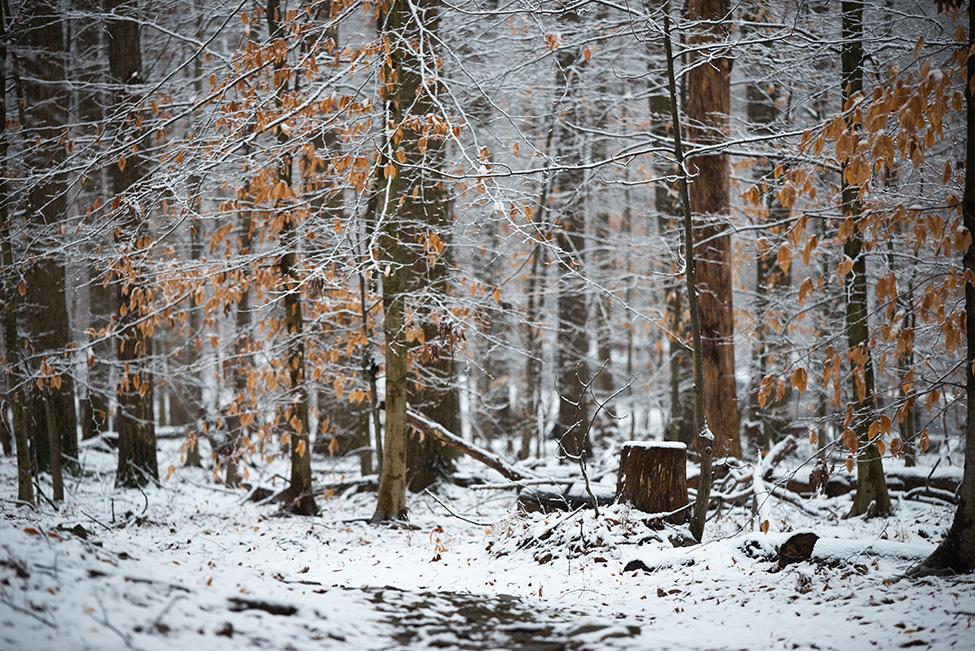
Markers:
point(487, 324)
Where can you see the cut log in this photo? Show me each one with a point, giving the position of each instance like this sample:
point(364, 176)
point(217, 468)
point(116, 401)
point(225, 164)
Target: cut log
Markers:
point(653, 478)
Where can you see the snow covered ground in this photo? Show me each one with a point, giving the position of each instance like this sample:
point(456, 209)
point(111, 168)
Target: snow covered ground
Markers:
point(193, 565)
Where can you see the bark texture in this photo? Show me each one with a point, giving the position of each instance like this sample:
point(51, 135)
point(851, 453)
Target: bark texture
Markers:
point(653, 478)
point(135, 419)
point(871, 486)
point(957, 551)
point(708, 105)
point(14, 395)
point(43, 87)
point(300, 498)
point(402, 212)
point(572, 341)
point(90, 66)
point(429, 210)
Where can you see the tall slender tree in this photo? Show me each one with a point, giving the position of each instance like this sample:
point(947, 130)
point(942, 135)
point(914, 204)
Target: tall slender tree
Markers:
point(300, 497)
point(89, 66)
point(135, 417)
point(572, 342)
point(871, 493)
point(11, 299)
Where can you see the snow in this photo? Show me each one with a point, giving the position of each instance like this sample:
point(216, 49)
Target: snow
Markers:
point(671, 445)
point(191, 564)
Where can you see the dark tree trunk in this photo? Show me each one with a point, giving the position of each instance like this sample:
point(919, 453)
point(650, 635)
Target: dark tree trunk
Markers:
point(135, 418)
point(653, 478)
point(90, 62)
point(54, 440)
point(43, 86)
point(871, 486)
point(11, 298)
point(437, 397)
point(957, 551)
point(708, 105)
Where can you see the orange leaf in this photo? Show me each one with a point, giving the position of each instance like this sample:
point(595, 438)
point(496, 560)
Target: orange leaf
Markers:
point(800, 379)
point(805, 289)
point(784, 258)
point(896, 446)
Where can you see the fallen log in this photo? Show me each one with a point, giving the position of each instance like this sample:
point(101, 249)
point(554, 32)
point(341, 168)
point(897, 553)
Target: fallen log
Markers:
point(240, 604)
point(366, 484)
point(543, 500)
point(898, 479)
point(447, 437)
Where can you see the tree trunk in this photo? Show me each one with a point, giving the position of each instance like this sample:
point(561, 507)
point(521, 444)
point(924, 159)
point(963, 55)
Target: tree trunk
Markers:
point(90, 65)
point(391, 504)
point(135, 420)
point(957, 551)
point(236, 429)
point(708, 105)
point(189, 396)
point(395, 22)
point(871, 486)
point(46, 307)
point(428, 206)
point(653, 478)
point(705, 439)
point(762, 111)
point(54, 440)
point(301, 499)
point(11, 298)
point(534, 293)
point(665, 203)
point(572, 340)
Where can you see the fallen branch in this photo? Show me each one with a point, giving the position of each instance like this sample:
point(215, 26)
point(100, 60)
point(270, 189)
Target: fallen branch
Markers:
point(779, 451)
point(516, 485)
point(935, 493)
point(447, 437)
point(451, 512)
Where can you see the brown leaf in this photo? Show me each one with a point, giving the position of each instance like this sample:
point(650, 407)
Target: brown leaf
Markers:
point(800, 379)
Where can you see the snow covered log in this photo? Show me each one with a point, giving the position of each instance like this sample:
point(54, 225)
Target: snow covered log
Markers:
point(653, 478)
point(535, 499)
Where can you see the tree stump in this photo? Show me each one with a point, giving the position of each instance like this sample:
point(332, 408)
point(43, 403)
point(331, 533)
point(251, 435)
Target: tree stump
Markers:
point(653, 477)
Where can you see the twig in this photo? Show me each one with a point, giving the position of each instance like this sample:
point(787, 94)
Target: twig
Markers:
point(25, 611)
point(451, 512)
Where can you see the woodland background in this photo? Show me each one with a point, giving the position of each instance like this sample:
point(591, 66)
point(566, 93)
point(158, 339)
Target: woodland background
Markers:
point(315, 228)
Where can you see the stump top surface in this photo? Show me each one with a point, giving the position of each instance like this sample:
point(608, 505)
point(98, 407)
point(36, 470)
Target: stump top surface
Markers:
point(674, 445)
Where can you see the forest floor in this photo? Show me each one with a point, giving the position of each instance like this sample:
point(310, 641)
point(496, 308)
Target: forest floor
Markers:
point(191, 563)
